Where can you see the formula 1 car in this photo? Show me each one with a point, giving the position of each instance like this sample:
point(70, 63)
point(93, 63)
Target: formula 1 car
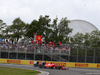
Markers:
point(52, 66)
point(46, 65)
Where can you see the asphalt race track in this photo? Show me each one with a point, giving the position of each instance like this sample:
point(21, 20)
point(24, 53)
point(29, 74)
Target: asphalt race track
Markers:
point(70, 71)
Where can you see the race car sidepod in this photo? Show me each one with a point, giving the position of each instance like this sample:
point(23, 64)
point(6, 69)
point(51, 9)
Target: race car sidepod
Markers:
point(49, 65)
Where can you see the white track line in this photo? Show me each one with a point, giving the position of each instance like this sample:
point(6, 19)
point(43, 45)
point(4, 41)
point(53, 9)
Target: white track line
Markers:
point(43, 73)
point(93, 73)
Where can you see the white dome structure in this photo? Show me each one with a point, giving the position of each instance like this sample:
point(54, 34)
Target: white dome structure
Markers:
point(81, 26)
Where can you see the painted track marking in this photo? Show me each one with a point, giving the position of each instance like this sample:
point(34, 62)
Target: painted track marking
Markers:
point(93, 73)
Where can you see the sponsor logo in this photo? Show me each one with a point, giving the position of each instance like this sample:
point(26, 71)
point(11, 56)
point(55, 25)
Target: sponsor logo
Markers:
point(98, 65)
point(60, 64)
point(31, 62)
point(14, 61)
point(81, 65)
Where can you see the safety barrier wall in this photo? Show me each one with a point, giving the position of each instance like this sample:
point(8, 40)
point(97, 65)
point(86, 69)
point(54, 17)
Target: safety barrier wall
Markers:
point(67, 64)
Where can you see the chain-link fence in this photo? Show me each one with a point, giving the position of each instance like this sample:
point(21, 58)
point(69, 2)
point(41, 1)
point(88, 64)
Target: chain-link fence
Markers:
point(85, 54)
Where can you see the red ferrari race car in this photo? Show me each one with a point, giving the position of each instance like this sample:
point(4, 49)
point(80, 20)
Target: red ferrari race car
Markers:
point(46, 65)
point(52, 66)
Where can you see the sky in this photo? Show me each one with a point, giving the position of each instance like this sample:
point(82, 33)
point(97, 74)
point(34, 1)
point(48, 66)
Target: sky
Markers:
point(28, 10)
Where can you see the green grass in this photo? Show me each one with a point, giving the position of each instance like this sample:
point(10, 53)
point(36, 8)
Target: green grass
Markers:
point(16, 71)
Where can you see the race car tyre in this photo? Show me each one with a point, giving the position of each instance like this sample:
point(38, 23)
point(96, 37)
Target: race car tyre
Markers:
point(51, 67)
point(58, 67)
point(40, 66)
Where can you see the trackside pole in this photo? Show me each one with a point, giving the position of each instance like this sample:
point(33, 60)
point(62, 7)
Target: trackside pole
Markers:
point(85, 55)
point(34, 52)
point(94, 57)
point(43, 55)
point(17, 54)
point(0, 53)
point(77, 55)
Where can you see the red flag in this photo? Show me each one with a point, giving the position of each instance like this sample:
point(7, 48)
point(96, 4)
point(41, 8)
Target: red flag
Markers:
point(38, 37)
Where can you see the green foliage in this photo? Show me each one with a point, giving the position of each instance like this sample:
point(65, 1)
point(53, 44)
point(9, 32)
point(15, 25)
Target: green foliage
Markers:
point(39, 27)
point(17, 28)
point(50, 32)
point(90, 52)
point(81, 52)
point(60, 30)
point(2, 26)
point(89, 39)
point(78, 38)
point(89, 42)
point(95, 38)
point(73, 51)
point(86, 39)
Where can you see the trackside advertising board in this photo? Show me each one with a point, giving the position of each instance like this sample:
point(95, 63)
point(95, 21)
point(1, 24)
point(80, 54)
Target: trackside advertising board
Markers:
point(67, 64)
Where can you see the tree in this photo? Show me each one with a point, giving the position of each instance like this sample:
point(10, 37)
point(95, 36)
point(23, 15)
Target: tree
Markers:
point(95, 38)
point(2, 27)
point(60, 30)
point(51, 32)
point(17, 28)
point(39, 27)
point(78, 38)
point(87, 39)
point(6, 32)
point(43, 25)
point(31, 28)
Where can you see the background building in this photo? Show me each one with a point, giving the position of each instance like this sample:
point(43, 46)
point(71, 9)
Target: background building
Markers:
point(81, 26)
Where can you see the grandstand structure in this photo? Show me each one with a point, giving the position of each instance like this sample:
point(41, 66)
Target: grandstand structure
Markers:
point(33, 52)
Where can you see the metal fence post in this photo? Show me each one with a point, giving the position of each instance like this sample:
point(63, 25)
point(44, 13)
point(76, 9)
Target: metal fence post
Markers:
point(8, 53)
point(85, 55)
point(68, 58)
point(17, 54)
point(69, 54)
point(77, 55)
point(0, 53)
point(25, 54)
point(43, 54)
point(94, 57)
point(34, 52)
point(51, 54)
point(60, 55)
